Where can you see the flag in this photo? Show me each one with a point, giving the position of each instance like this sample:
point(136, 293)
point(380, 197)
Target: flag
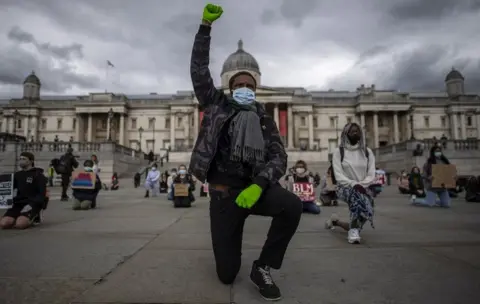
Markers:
point(110, 64)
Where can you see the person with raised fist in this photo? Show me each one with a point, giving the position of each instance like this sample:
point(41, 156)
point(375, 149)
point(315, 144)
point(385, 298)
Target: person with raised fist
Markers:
point(240, 152)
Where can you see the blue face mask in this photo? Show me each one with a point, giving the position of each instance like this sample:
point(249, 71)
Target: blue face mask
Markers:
point(438, 154)
point(88, 169)
point(244, 96)
point(182, 172)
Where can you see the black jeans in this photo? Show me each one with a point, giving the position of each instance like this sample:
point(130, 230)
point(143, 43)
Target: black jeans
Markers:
point(65, 184)
point(227, 221)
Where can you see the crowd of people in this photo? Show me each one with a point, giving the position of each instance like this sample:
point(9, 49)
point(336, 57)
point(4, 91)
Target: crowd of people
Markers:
point(239, 156)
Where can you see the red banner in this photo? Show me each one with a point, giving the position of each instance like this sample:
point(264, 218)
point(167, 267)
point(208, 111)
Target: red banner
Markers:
point(283, 123)
point(305, 191)
point(200, 114)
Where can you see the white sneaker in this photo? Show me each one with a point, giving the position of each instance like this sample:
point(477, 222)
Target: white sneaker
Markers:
point(353, 236)
point(413, 198)
point(329, 222)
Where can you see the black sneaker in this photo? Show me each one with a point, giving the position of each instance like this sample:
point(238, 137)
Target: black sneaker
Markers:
point(261, 277)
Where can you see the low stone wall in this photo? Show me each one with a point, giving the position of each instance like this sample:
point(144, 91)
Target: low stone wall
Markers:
point(465, 154)
point(112, 157)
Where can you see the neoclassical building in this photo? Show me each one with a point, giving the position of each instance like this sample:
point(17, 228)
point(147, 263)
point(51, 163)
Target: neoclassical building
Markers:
point(310, 120)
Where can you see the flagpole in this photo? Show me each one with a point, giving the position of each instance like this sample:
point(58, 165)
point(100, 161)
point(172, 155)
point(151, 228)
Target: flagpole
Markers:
point(106, 76)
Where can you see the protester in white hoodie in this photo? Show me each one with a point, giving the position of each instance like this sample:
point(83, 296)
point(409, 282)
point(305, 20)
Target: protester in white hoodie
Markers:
point(354, 172)
point(152, 181)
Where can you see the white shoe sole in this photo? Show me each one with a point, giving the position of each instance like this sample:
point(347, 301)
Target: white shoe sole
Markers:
point(354, 241)
point(266, 299)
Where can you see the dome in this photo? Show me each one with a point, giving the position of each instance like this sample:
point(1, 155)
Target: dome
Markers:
point(32, 79)
point(240, 60)
point(454, 75)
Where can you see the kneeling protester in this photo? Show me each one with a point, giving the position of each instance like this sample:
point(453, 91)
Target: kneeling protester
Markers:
point(86, 185)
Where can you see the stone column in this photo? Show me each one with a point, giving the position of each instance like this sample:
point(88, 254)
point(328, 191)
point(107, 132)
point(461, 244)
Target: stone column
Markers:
point(454, 125)
point(90, 128)
point(26, 126)
point(362, 122)
point(78, 117)
point(276, 115)
point(173, 124)
point(35, 128)
point(375, 129)
point(195, 122)
point(290, 127)
point(186, 125)
point(310, 131)
point(109, 131)
point(5, 124)
point(463, 126)
point(11, 124)
point(478, 124)
point(396, 133)
point(121, 140)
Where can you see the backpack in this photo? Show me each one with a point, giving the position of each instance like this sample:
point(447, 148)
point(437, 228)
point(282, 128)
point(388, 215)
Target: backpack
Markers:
point(342, 156)
point(63, 165)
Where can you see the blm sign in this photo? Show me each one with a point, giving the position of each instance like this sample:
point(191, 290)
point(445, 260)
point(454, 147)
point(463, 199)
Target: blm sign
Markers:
point(305, 191)
point(6, 191)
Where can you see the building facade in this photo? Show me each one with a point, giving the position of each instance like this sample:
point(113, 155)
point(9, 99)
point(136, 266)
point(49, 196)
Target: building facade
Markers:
point(308, 120)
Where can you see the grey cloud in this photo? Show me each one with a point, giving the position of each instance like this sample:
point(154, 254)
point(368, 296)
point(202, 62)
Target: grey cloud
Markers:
point(426, 10)
point(74, 50)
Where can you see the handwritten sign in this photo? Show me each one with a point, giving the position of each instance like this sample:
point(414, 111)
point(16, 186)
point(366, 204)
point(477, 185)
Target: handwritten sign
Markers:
point(444, 174)
point(305, 191)
point(180, 190)
point(380, 177)
point(6, 191)
point(83, 180)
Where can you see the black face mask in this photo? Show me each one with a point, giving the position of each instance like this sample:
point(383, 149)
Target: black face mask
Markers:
point(354, 139)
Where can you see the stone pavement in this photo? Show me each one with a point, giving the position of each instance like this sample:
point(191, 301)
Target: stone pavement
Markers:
point(135, 250)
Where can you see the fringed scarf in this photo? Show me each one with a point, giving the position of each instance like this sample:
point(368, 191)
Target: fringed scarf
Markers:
point(246, 135)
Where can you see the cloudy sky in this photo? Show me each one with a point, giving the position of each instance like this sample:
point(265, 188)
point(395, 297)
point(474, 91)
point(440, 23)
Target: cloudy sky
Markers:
point(317, 44)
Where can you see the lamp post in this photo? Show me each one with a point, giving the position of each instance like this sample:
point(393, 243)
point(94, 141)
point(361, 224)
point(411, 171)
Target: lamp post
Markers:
point(110, 120)
point(140, 131)
point(153, 133)
point(15, 116)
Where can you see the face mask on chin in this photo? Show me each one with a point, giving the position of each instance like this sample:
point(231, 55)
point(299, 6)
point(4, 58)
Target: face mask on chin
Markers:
point(243, 96)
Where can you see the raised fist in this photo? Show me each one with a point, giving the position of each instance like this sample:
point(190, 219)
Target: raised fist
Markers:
point(212, 12)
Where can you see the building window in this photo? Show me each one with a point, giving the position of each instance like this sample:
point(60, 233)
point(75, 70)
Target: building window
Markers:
point(74, 123)
point(19, 123)
point(43, 124)
point(104, 124)
point(179, 122)
point(133, 123)
point(349, 119)
point(332, 122)
point(151, 123)
point(303, 121)
point(426, 121)
point(443, 121)
point(167, 124)
point(59, 124)
point(315, 122)
point(469, 121)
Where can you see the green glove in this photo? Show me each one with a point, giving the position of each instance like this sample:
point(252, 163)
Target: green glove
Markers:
point(212, 12)
point(248, 197)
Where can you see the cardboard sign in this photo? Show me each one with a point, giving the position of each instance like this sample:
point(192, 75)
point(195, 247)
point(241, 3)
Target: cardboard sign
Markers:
point(305, 191)
point(83, 180)
point(444, 174)
point(330, 185)
point(6, 191)
point(180, 190)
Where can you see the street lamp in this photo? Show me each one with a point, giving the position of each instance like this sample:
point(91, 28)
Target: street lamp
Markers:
point(153, 133)
point(15, 116)
point(110, 120)
point(140, 131)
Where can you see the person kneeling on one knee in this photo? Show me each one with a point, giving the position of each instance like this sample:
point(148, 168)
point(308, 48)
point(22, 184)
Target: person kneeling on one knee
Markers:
point(301, 175)
point(31, 185)
point(85, 199)
point(240, 153)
